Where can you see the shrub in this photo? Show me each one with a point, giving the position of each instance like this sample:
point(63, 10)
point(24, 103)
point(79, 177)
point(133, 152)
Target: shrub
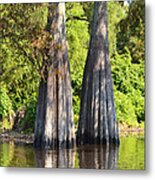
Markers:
point(5, 108)
point(128, 79)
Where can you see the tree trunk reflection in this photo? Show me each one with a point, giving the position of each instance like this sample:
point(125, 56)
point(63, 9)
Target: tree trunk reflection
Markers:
point(98, 157)
point(87, 157)
point(62, 158)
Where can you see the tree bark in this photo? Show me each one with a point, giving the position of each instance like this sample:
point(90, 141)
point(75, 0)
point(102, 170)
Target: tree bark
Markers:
point(54, 127)
point(98, 124)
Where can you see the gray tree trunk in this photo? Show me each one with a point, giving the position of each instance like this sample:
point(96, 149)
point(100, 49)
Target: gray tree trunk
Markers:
point(98, 124)
point(54, 126)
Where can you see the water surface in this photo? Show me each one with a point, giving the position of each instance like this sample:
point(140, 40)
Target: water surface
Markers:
point(129, 155)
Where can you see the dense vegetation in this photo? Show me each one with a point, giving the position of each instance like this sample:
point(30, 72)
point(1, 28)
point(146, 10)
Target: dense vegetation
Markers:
point(22, 43)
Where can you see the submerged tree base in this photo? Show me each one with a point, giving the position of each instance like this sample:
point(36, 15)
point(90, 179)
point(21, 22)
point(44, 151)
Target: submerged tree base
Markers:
point(54, 125)
point(13, 136)
point(98, 123)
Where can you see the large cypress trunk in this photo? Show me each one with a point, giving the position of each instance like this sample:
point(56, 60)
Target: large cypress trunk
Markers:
point(98, 124)
point(54, 126)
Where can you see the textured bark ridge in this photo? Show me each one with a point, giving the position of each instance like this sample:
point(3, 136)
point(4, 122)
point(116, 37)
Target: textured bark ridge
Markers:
point(98, 124)
point(54, 126)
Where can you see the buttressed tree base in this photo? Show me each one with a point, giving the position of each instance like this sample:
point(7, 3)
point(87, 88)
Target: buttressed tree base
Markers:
point(54, 126)
point(98, 124)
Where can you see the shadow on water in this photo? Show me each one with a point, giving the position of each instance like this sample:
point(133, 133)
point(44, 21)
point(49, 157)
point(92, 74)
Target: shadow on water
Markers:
point(129, 155)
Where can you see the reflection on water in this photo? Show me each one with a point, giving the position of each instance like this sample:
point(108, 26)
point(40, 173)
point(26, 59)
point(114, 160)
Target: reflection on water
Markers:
point(98, 157)
point(89, 157)
point(55, 159)
point(130, 155)
point(12, 155)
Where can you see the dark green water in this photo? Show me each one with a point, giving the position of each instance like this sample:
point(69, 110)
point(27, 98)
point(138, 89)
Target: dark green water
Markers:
point(129, 155)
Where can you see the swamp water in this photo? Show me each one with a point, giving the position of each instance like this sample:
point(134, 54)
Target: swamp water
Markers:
point(129, 155)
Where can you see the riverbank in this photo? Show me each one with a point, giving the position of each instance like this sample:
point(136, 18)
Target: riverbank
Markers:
point(13, 136)
point(125, 130)
point(9, 136)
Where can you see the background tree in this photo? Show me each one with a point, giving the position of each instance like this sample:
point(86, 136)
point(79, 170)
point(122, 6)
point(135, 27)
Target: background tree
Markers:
point(132, 30)
point(98, 124)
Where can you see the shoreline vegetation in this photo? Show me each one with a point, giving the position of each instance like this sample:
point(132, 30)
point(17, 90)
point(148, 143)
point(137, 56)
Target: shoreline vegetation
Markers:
point(13, 136)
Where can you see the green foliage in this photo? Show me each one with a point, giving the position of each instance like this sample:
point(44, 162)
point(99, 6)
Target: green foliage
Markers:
point(21, 23)
point(78, 40)
point(27, 123)
point(124, 109)
point(116, 12)
point(88, 12)
point(5, 108)
point(5, 102)
point(132, 32)
point(18, 67)
point(128, 81)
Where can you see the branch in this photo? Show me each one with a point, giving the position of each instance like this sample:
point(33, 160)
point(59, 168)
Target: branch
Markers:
point(77, 18)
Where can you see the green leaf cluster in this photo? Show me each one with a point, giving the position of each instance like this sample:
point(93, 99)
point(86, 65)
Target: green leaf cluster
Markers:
point(19, 78)
point(128, 81)
point(131, 32)
point(78, 40)
point(5, 108)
